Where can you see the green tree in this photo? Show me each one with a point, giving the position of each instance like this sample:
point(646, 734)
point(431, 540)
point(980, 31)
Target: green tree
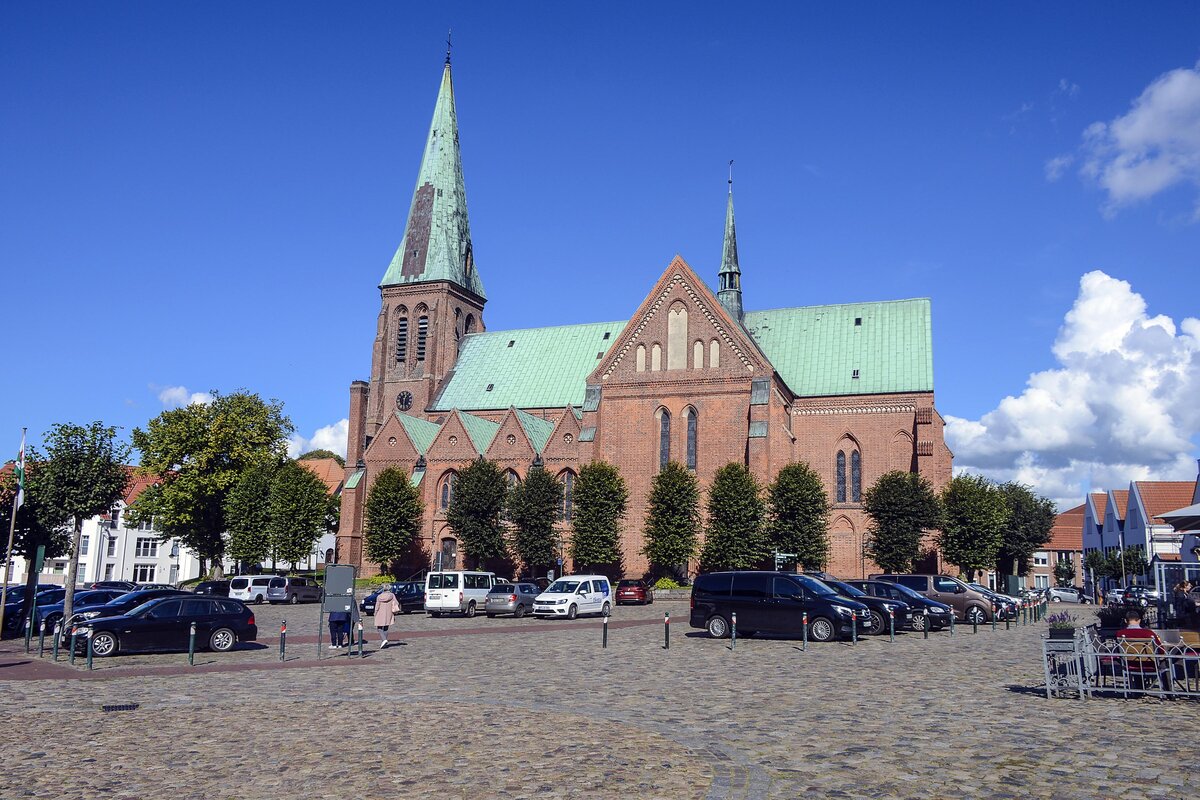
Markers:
point(799, 516)
point(1064, 573)
point(393, 515)
point(901, 506)
point(474, 513)
point(297, 513)
point(198, 453)
point(83, 474)
point(1030, 520)
point(1095, 562)
point(974, 514)
point(1126, 564)
point(736, 513)
point(38, 524)
point(247, 509)
point(532, 510)
point(672, 529)
point(312, 455)
point(600, 501)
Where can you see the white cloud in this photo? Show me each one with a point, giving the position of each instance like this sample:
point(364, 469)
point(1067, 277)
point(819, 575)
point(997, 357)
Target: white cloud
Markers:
point(1056, 166)
point(331, 437)
point(1153, 147)
point(1067, 88)
point(176, 396)
point(1120, 406)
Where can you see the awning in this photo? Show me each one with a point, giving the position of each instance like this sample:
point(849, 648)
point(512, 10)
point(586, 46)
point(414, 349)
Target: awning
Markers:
point(1184, 519)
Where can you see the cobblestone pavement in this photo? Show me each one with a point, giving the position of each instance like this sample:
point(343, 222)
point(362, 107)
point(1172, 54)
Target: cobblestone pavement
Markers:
point(502, 709)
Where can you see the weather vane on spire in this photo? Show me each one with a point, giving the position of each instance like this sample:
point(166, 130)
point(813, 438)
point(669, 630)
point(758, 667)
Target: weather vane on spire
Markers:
point(448, 32)
point(731, 174)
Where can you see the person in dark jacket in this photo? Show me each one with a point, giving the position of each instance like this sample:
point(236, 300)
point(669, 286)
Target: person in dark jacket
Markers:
point(339, 629)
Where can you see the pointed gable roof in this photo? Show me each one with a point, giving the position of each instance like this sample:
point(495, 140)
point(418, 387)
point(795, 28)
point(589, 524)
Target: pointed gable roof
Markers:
point(729, 278)
point(1160, 497)
point(328, 470)
point(482, 431)
point(437, 236)
point(420, 432)
point(537, 429)
point(1120, 503)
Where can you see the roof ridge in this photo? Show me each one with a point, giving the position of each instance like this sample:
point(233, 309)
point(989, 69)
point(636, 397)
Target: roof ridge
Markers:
point(842, 305)
point(545, 327)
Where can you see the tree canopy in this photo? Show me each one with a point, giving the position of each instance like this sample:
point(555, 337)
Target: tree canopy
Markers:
point(974, 514)
point(672, 529)
point(247, 509)
point(600, 501)
point(532, 510)
point(1030, 520)
point(298, 512)
point(392, 514)
point(901, 506)
point(799, 516)
point(736, 513)
point(475, 508)
point(198, 453)
point(1064, 573)
point(313, 455)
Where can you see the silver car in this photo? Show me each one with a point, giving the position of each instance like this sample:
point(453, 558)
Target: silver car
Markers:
point(1059, 594)
point(510, 598)
point(293, 590)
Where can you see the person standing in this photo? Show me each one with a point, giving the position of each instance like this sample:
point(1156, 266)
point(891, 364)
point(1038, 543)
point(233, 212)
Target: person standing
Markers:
point(387, 606)
point(339, 629)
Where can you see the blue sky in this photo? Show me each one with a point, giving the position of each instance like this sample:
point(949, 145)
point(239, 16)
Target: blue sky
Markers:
point(205, 195)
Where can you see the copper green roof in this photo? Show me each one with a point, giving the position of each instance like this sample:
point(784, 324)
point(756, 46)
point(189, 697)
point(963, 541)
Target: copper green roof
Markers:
point(528, 368)
point(480, 430)
point(729, 277)
point(421, 432)
point(352, 481)
point(416, 477)
point(437, 236)
point(851, 348)
point(537, 429)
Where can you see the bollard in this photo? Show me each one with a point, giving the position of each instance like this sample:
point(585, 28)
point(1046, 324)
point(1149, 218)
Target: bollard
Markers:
point(733, 631)
point(925, 627)
point(28, 635)
point(994, 613)
point(853, 626)
point(57, 634)
point(42, 639)
point(282, 640)
point(951, 622)
point(361, 654)
point(604, 638)
point(1024, 613)
point(666, 630)
point(89, 647)
point(974, 623)
point(891, 625)
point(804, 628)
point(1006, 621)
point(192, 645)
point(72, 659)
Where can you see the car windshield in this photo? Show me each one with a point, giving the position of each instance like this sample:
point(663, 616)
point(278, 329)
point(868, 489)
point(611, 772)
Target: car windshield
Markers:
point(813, 585)
point(141, 609)
point(847, 590)
point(907, 592)
point(633, 584)
point(503, 588)
point(116, 601)
point(563, 587)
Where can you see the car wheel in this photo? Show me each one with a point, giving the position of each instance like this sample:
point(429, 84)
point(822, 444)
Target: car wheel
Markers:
point(976, 615)
point(572, 612)
point(718, 627)
point(820, 630)
point(520, 612)
point(104, 644)
point(53, 620)
point(293, 599)
point(258, 600)
point(604, 612)
point(1055, 599)
point(471, 609)
point(222, 640)
point(878, 623)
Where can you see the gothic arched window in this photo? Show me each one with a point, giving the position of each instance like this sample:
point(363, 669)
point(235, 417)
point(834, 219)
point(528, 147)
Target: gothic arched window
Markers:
point(470, 325)
point(692, 423)
point(446, 490)
point(841, 476)
point(677, 324)
point(422, 333)
point(566, 507)
point(640, 360)
point(664, 438)
point(855, 477)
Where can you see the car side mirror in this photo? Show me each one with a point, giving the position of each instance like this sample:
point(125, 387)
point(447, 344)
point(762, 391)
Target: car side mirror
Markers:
point(959, 590)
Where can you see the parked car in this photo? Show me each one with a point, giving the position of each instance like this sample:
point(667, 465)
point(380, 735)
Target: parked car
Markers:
point(1005, 606)
point(634, 591)
point(411, 595)
point(572, 595)
point(250, 588)
point(968, 604)
point(879, 608)
point(293, 589)
point(165, 623)
point(52, 614)
point(213, 588)
point(1114, 597)
point(773, 602)
point(14, 604)
point(457, 591)
point(1144, 595)
point(116, 607)
point(127, 586)
point(925, 611)
point(511, 598)
point(1059, 594)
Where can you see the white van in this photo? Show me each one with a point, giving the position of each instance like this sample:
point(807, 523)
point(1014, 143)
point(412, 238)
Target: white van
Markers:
point(250, 588)
point(572, 595)
point(457, 591)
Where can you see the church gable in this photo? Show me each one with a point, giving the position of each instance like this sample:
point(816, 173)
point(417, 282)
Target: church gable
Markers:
point(511, 444)
point(392, 443)
point(562, 445)
point(454, 443)
point(680, 326)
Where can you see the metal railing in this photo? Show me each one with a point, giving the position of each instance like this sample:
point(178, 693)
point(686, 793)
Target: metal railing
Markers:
point(1087, 666)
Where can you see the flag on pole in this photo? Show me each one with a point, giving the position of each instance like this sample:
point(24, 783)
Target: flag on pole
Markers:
point(19, 470)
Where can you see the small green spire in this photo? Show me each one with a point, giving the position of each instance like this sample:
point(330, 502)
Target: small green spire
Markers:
point(437, 236)
point(729, 279)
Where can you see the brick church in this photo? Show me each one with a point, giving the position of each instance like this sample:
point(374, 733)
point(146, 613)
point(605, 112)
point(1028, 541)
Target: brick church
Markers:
point(690, 377)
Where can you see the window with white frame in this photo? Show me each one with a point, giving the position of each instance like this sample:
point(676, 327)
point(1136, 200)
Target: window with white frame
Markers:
point(146, 547)
point(1040, 559)
point(146, 524)
point(112, 547)
point(83, 546)
point(108, 572)
point(1041, 581)
point(143, 573)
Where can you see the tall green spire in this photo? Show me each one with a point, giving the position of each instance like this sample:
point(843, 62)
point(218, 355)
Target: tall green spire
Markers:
point(730, 276)
point(437, 236)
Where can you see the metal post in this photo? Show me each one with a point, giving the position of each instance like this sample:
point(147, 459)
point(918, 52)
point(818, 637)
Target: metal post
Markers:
point(28, 635)
point(891, 625)
point(283, 640)
point(320, 631)
point(1006, 621)
point(853, 626)
point(974, 623)
point(951, 622)
point(733, 631)
point(57, 633)
point(804, 629)
point(666, 630)
point(604, 639)
point(89, 647)
point(360, 641)
point(42, 639)
point(925, 627)
point(192, 645)
point(72, 659)
point(994, 613)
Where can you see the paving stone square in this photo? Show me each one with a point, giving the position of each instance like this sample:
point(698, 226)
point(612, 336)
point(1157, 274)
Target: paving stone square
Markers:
point(507, 708)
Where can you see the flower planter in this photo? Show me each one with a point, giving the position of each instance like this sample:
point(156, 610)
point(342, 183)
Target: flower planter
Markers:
point(1062, 633)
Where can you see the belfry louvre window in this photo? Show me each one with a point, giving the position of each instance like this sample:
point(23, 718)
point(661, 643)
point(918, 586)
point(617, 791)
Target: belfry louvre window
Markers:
point(401, 340)
point(422, 333)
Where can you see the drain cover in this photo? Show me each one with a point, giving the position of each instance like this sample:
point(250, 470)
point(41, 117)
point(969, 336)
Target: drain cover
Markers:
point(121, 707)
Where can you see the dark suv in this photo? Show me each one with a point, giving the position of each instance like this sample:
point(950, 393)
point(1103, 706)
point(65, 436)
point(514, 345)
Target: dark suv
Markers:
point(773, 602)
point(880, 607)
point(925, 611)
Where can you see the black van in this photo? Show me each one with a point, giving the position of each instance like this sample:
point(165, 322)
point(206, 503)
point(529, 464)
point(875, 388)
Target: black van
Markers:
point(773, 602)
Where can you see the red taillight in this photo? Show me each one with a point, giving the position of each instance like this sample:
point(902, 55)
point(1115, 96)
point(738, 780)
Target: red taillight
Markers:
point(251, 620)
point(512, 598)
point(460, 597)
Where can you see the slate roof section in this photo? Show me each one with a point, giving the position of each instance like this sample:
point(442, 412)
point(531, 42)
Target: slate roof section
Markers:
point(537, 429)
point(818, 349)
point(541, 368)
point(421, 432)
point(1160, 497)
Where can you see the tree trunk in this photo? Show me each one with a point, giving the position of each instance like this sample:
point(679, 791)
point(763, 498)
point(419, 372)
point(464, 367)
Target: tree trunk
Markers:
point(73, 570)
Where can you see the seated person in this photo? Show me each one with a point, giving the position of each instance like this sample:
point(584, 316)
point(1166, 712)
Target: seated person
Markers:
point(1133, 628)
point(1143, 650)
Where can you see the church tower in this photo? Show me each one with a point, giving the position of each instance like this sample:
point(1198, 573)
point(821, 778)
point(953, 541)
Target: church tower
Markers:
point(431, 293)
point(729, 279)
